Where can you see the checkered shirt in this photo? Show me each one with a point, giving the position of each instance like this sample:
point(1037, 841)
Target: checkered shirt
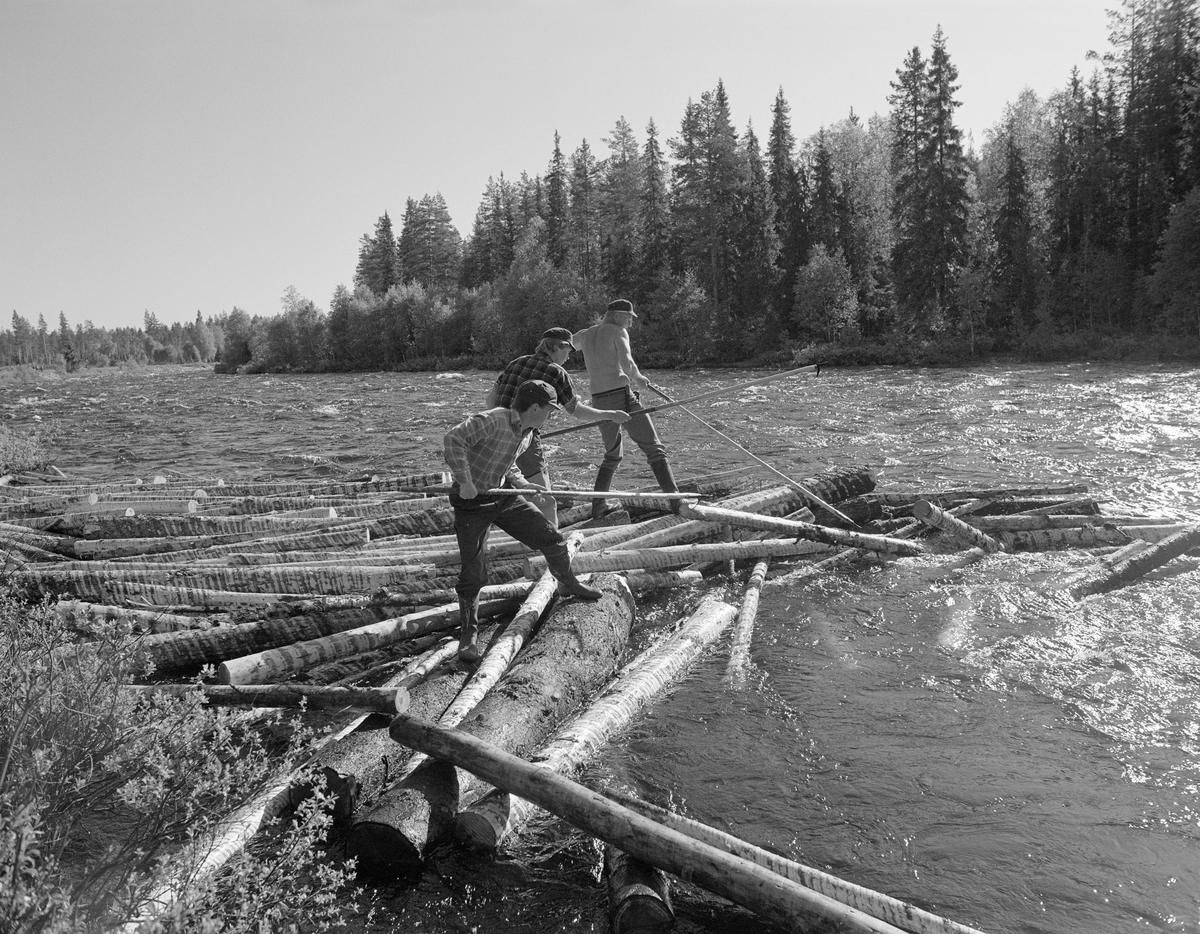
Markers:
point(535, 366)
point(485, 446)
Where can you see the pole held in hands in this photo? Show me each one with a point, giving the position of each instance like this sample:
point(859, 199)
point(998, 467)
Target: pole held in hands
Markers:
point(813, 368)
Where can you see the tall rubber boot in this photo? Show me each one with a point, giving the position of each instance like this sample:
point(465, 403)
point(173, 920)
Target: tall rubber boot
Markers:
point(468, 631)
point(666, 480)
point(603, 483)
point(559, 563)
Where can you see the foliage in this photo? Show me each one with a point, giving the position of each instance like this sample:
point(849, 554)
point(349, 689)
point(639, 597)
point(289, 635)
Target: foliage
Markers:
point(100, 785)
point(20, 451)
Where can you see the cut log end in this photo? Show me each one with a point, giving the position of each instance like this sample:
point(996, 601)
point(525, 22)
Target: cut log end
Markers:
point(382, 852)
point(477, 830)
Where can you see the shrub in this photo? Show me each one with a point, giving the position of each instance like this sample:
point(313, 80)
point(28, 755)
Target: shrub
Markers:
point(100, 786)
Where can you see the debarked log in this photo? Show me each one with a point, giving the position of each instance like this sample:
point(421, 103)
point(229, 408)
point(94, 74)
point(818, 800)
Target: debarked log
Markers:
point(489, 821)
point(673, 556)
point(1129, 570)
point(639, 895)
point(574, 654)
point(778, 899)
point(806, 530)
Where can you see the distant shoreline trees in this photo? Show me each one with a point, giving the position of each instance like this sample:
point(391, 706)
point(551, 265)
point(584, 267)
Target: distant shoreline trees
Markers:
point(1071, 231)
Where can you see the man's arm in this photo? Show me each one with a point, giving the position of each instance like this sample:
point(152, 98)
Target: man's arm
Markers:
point(585, 413)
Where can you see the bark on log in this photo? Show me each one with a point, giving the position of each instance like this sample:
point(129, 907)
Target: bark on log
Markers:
point(317, 697)
point(892, 910)
point(575, 652)
point(940, 519)
point(1129, 570)
point(762, 891)
point(488, 822)
point(275, 664)
point(1054, 539)
point(639, 895)
point(674, 556)
point(86, 616)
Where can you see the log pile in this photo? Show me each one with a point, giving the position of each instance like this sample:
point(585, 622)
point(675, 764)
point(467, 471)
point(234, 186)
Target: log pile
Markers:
point(338, 596)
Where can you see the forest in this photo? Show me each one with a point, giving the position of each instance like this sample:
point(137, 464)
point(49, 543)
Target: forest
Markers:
point(1073, 232)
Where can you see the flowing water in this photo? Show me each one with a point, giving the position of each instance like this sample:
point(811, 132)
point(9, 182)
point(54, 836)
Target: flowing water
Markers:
point(979, 743)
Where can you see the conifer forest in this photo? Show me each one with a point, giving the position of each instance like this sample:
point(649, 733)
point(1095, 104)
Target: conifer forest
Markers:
point(1071, 230)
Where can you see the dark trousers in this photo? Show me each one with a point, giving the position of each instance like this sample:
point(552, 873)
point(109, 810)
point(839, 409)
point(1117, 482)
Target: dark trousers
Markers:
point(514, 514)
point(640, 428)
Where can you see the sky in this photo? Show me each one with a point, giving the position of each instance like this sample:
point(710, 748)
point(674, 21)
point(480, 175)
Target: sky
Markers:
point(177, 157)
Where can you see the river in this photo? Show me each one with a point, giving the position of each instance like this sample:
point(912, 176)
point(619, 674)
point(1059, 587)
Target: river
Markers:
point(979, 744)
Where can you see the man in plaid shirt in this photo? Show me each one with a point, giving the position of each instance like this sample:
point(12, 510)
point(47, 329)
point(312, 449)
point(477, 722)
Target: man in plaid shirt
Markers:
point(546, 364)
point(481, 452)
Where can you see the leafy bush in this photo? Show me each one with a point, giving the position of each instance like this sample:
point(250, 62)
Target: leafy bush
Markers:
point(101, 786)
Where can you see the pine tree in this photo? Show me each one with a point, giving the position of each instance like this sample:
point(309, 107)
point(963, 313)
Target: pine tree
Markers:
point(1014, 275)
point(430, 248)
point(653, 219)
point(378, 259)
point(756, 247)
point(558, 241)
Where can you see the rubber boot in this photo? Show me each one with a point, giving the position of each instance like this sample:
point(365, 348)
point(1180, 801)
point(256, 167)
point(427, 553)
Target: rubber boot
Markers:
point(603, 483)
point(666, 480)
point(468, 631)
point(569, 585)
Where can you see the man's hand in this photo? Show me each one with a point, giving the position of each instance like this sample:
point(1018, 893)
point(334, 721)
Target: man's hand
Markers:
point(466, 489)
point(620, 416)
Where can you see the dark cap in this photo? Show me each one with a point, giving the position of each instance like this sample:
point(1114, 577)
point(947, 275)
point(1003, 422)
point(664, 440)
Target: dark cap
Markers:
point(535, 392)
point(622, 304)
point(559, 334)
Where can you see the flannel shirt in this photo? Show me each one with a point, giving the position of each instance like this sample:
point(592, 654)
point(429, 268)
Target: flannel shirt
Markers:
point(484, 448)
point(535, 366)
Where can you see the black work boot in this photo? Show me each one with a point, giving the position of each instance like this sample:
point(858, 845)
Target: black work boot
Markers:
point(666, 480)
point(569, 585)
point(468, 631)
point(603, 483)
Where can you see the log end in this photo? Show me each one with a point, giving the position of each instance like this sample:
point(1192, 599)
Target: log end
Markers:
point(481, 829)
point(403, 700)
point(382, 851)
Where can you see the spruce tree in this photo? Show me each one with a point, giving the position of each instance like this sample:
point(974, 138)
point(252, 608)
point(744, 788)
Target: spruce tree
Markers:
point(558, 242)
point(378, 259)
point(585, 213)
point(653, 219)
point(1013, 276)
point(620, 190)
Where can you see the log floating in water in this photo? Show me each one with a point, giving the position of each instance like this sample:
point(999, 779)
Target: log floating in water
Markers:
point(1129, 570)
point(639, 895)
point(940, 519)
point(739, 653)
point(778, 899)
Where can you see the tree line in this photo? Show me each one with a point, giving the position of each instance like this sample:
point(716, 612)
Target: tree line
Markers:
point(1074, 229)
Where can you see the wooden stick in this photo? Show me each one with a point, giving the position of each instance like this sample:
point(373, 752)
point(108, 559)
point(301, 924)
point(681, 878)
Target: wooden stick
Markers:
point(798, 487)
point(816, 367)
point(779, 900)
point(628, 496)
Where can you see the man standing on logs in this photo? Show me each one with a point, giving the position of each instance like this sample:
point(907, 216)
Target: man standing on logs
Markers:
point(482, 452)
point(616, 383)
point(546, 364)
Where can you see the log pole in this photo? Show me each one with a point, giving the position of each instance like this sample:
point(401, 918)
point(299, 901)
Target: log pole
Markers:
point(938, 518)
point(639, 895)
point(778, 899)
point(1126, 572)
point(743, 630)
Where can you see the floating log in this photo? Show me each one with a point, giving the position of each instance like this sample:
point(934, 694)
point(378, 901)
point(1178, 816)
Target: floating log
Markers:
point(1053, 539)
point(1126, 572)
point(682, 555)
point(488, 822)
point(575, 652)
point(894, 911)
point(778, 899)
point(815, 533)
point(940, 519)
point(274, 664)
point(318, 697)
point(743, 630)
point(1029, 523)
point(957, 496)
point(639, 895)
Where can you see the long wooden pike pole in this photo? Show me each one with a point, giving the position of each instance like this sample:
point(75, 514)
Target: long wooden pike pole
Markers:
point(798, 487)
point(816, 368)
point(629, 497)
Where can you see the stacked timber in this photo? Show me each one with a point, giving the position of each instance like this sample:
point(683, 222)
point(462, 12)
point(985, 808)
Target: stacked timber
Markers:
point(337, 599)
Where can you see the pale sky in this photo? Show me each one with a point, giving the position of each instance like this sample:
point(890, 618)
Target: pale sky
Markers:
point(184, 155)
